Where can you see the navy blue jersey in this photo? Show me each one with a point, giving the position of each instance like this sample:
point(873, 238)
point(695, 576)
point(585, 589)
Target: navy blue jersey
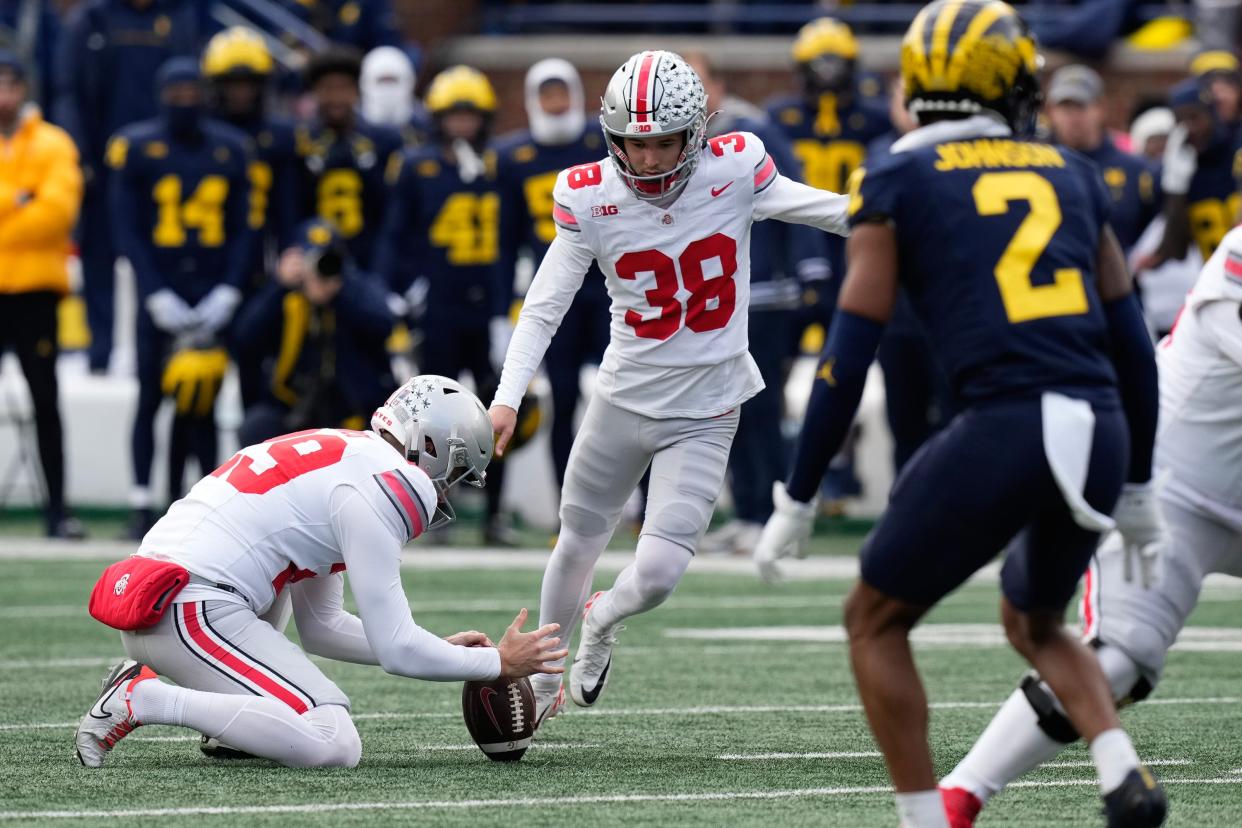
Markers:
point(1133, 191)
point(1212, 201)
point(107, 61)
point(180, 210)
point(444, 229)
point(273, 185)
point(363, 24)
point(525, 174)
point(341, 180)
point(997, 243)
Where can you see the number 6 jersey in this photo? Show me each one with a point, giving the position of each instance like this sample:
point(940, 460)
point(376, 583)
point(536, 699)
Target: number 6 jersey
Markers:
point(271, 515)
point(678, 277)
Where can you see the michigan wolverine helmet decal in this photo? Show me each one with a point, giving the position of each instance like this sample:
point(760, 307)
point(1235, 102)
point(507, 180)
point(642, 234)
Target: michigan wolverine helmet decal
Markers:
point(237, 51)
point(967, 56)
point(460, 86)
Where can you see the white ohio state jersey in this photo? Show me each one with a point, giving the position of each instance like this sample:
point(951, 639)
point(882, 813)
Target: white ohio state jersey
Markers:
point(263, 520)
point(678, 277)
point(1200, 435)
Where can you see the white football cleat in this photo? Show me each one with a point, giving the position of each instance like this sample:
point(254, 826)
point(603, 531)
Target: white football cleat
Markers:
point(593, 660)
point(110, 718)
point(549, 706)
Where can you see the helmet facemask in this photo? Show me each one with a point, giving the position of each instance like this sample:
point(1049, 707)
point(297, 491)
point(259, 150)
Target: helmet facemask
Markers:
point(660, 185)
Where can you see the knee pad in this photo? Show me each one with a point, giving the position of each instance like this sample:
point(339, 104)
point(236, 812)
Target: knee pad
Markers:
point(1127, 679)
point(1054, 723)
point(341, 746)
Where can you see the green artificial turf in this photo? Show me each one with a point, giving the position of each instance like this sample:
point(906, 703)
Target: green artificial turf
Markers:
point(699, 696)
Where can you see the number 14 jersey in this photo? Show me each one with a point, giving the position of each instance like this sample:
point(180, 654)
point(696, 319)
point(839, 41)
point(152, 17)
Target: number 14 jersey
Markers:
point(264, 518)
point(678, 277)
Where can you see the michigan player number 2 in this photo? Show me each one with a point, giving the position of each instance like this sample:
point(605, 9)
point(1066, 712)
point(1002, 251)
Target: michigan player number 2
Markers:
point(712, 298)
point(1025, 301)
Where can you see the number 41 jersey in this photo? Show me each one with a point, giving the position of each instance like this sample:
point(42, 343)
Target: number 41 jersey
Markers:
point(264, 518)
point(997, 245)
point(678, 276)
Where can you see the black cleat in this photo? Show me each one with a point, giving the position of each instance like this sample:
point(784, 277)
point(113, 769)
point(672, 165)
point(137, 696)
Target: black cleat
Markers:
point(212, 749)
point(1139, 802)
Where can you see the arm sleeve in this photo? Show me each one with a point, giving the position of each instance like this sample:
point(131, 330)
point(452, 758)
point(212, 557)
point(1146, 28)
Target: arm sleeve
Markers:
point(324, 626)
point(1135, 362)
point(49, 216)
point(551, 292)
point(787, 200)
point(372, 553)
point(808, 251)
point(123, 198)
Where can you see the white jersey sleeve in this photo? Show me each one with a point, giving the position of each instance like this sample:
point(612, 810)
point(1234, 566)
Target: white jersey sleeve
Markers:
point(372, 554)
point(551, 293)
point(781, 198)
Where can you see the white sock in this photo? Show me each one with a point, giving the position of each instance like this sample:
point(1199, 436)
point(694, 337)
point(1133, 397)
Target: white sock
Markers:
point(324, 736)
point(566, 586)
point(921, 809)
point(645, 584)
point(1114, 758)
point(1012, 745)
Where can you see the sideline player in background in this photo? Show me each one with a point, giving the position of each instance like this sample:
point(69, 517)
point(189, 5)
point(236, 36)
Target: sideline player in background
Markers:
point(440, 240)
point(529, 162)
point(667, 215)
point(1134, 607)
point(1003, 246)
point(293, 513)
point(179, 206)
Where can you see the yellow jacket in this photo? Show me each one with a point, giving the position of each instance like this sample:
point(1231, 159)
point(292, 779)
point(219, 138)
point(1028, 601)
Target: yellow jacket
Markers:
point(40, 193)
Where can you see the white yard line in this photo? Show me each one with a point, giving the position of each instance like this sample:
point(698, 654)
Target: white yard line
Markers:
point(767, 757)
point(1087, 763)
point(715, 710)
point(526, 802)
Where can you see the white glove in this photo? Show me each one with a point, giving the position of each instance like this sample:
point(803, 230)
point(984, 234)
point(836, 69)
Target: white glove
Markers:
point(1179, 163)
point(500, 331)
point(169, 312)
point(1142, 529)
point(785, 534)
point(216, 308)
point(416, 297)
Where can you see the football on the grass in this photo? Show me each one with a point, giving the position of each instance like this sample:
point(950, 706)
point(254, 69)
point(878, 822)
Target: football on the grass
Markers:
point(500, 715)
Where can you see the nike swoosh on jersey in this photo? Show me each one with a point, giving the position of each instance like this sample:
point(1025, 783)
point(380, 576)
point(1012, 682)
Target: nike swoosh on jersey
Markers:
point(589, 696)
point(716, 192)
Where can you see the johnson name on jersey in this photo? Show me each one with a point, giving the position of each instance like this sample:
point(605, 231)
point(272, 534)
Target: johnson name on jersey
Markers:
point(263, 518)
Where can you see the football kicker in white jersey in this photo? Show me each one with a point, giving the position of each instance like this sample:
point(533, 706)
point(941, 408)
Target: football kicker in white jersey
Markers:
point(1133, 607)
point(290, 516)
point(667, 216)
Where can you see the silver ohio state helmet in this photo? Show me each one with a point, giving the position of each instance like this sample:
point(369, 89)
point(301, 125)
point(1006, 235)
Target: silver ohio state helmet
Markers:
point(652, 94)
point(445, 431)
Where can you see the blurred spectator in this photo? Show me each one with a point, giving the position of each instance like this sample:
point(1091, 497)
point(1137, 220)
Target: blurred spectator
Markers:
point(361, 24)
point(830, 123)
point(1150, 133)
point(32, 29)
point(238, 67)
point(180, 203)
point(440, 240)
point(1077, 120)
point(917, 396)
point(40, 193)
point(342, 158)
point(1200, 193)
point(387, 85)
point(318, 331)
point(782, 258)
point(108, 58)
point(560, 136)
point(1219, 71)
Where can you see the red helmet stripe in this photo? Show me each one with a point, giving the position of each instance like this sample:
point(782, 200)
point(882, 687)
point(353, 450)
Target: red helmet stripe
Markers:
point(642, 94)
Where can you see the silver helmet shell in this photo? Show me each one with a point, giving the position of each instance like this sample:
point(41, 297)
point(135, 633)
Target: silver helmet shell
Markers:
point(654, 93)
point(445, 431)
